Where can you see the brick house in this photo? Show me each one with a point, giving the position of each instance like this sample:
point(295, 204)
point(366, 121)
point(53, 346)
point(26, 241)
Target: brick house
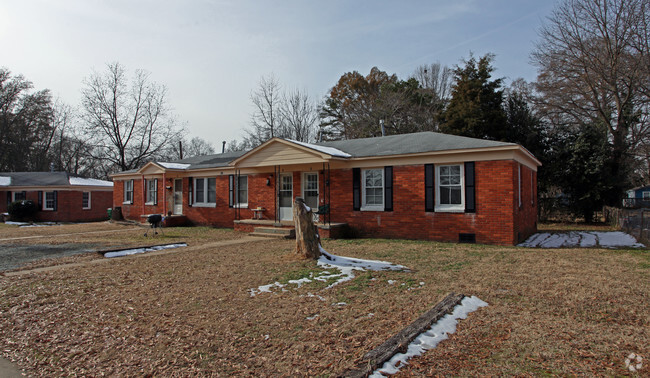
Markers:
point(60, 196)
point(427, 185)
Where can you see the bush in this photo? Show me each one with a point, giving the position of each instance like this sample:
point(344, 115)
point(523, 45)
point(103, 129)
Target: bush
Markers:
point(22, 210)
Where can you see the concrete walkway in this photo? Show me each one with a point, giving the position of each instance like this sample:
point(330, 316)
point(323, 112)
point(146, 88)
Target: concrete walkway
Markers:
point(8, 369)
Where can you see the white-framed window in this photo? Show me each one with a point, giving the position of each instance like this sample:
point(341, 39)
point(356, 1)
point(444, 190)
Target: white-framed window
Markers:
point(85, 200)
point(49, 201)
point(128, 191)
point(242, 191)
point(18, 196)
point(152, 191)
point(372, 189)
point(450, 193)
point(205, 192)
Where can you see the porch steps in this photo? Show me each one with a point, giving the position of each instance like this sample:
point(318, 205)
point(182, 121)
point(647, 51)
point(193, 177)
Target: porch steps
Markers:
point(274, 232)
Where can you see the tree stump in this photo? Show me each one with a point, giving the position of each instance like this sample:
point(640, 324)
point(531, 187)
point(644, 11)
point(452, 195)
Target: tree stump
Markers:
point(307, 240)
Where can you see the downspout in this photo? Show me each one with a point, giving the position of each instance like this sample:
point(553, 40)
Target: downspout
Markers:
point(143, 194)
point(164, 190)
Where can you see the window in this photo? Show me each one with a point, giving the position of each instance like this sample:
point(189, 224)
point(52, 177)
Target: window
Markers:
point(372, 191)
point(85, 200)
point(19, 196)
point(48, 200)
point(242, 191)
point(128, 191)
point(450, 193)
point(152, 191)
point(646, 195)
point(205, 192)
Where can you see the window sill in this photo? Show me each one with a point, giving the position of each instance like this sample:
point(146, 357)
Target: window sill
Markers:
point(127, 203)
point(150, 204)
point(241, 206)
point(201, 204)
point(46, 209)
point(374, 208)
point(455, 209)
point(85, 208)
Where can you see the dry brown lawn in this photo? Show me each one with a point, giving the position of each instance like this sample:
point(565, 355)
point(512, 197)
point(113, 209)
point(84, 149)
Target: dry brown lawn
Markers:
point(557, 312)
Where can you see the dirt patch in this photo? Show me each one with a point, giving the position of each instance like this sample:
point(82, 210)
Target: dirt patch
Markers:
point(564, 312)
point(13, 256)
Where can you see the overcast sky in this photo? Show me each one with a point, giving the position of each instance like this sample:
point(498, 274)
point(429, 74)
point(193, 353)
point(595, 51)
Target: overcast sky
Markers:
point(211, 54)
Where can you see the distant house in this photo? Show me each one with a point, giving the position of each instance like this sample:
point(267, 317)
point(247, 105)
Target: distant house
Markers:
point(60, 196)
point(425, 185)
point(637, 197)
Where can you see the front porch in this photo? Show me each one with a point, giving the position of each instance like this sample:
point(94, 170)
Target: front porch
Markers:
point(325, 230)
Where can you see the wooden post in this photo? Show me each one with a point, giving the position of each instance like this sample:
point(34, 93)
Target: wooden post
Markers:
point(307, 240)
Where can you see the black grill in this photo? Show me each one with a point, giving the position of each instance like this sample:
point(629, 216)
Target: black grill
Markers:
point(155, 220)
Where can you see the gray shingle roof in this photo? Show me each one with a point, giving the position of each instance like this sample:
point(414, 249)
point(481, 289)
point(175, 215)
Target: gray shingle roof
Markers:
point(45, 179)
point(410, 143)
point(210, 161)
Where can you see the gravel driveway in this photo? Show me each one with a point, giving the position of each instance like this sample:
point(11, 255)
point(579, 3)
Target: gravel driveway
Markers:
point(13, 256)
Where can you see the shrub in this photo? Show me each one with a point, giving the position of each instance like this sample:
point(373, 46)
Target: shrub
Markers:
point(22, 210)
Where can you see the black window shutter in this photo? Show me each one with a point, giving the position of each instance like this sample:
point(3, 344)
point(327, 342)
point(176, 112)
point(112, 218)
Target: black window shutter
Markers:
point(388, 188)
point(429, 187)
point(470, 192)
point(231, 190)
point(356, 188)
point(56, 199)
point(155, 196)
point(132, 192)
point(190, 187)
point(40, 200)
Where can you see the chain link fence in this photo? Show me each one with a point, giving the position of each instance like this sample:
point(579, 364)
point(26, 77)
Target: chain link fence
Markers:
point(635, 222)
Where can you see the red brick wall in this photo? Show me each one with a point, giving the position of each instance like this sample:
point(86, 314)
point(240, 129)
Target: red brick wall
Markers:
point(496, 221)
point(259, 195)
point(498, 218)
point(69, 206)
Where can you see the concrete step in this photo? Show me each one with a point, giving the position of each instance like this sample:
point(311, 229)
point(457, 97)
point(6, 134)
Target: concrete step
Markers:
point(275, 230)
point(273, 235)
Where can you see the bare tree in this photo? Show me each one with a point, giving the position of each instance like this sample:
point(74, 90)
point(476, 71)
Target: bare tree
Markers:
point(594, 66)
point(299, 115)
point(127, 121)
point(435, 78)
point(266, 121)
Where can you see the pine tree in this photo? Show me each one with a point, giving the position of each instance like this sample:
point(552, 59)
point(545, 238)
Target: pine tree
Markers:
point(475, 108)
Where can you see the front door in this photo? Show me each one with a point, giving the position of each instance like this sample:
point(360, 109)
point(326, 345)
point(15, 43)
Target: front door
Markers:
point(310, 191)
point(178, 196)
point(286, 196)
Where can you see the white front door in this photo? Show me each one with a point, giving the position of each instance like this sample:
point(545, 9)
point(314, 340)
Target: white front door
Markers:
point(178, 196)
point(286, 196)
point(310, 191)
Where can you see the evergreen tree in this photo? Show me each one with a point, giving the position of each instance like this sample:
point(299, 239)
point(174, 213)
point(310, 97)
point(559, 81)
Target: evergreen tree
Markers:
point(475, 109)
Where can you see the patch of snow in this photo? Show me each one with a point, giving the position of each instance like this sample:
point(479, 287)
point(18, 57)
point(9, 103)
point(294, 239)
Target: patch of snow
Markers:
point(432, 337)
point(16, 223)
point(44, 224)
point(5, 181)
point(421, 283)
point(312, 317)
point(584, 239)
point(80, 181)
point(345, 265)
point(339, 304)
point(328, 150)
point(310, 295)
point(616, 239)
point(173, 165)
point(134, 251)
point(390, 282)
point(348, 265)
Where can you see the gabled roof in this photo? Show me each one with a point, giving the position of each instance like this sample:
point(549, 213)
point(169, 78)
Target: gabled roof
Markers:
point(410, 144)
point(45, 179)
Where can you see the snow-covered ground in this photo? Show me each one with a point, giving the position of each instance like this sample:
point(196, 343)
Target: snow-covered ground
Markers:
point(345, 265)
point(133, 251)
point(438, 332)
point(583, 239)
